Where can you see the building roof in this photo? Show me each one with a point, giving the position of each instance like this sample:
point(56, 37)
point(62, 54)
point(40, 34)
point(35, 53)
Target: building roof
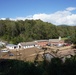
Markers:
point(11, 45)
point(41, 40)
point(27, 43)
point(54, 40)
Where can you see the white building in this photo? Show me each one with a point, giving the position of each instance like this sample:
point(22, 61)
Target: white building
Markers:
point(25, 45)
point(11, 46)
point(2, 43)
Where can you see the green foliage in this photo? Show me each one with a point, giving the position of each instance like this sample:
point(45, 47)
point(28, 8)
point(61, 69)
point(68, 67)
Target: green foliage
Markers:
point(55, 67)
point(28, 30)
point(15, 67)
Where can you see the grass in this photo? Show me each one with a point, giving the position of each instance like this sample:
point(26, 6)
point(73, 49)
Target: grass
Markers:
point(64, 38)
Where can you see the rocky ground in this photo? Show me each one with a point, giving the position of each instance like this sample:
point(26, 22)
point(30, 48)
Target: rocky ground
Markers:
point(31, 53)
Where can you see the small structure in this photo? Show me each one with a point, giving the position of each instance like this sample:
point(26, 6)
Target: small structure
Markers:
point(59, 37)
point(11, 46)
point(4, 51)
point(48, 56)
point(2, 43)
point(55, 42)
point(42, 42)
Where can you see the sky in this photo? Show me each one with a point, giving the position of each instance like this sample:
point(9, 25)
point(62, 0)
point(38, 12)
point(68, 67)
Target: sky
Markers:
point(53, 11)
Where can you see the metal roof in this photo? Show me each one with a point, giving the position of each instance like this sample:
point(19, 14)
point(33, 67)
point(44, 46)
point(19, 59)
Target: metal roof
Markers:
point(27, 43)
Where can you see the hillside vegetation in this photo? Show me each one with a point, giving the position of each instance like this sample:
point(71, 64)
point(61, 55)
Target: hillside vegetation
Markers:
point(29, 30)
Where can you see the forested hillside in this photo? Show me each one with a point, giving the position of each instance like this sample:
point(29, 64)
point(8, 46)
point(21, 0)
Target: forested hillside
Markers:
point(28, 30)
